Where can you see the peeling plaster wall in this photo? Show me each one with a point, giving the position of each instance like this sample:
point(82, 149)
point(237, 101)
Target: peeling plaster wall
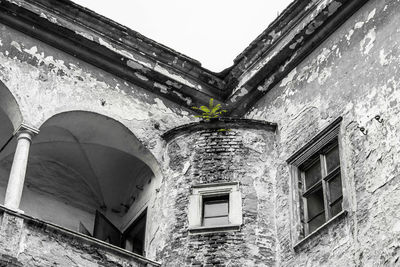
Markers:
point(26, 242)
point(46, 81)
point(212, 156)
point(354, 74)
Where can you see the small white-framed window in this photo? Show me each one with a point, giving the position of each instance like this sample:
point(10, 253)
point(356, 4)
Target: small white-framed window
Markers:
point(215, 207)
point(316, 185)
point(216, 210)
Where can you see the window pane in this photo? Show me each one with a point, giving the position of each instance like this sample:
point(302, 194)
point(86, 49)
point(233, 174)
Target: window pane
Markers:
point(315, 203)
point(215, 208)
point(336, 208)
point(216, 221)
point(313, 174)
point(316, 222)
point(335, 188)
point(332, 159)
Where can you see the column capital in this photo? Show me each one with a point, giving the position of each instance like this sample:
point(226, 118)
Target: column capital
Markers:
point(26, 131)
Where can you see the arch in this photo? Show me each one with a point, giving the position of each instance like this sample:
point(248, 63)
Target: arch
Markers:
point(124, 139)
point(89, 162)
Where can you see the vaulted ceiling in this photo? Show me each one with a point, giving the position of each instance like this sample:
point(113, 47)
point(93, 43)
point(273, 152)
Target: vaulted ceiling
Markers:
point(86, 160)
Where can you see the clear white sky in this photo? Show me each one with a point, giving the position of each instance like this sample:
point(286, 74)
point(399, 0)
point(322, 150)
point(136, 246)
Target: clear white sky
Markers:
point(213, 32)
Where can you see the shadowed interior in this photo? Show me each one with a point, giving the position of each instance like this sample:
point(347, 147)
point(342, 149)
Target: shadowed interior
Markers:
point(10, 119)
point(80, 162)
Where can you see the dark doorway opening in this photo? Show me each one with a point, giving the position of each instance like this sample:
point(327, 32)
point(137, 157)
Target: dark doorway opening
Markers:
point(134, 237)
point(105, 230)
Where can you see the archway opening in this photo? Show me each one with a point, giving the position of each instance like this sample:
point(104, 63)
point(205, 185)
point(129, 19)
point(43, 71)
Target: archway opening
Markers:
point(86, 172)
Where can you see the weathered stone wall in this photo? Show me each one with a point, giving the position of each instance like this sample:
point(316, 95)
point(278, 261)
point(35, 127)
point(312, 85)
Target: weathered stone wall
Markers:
point(353, 74)
point(212, 156)
point(46, 81)
point(27, 242)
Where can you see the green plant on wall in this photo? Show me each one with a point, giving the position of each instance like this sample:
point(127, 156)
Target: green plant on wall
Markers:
point(211, 111)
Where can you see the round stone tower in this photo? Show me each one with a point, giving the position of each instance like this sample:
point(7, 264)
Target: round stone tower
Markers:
point(217, 199)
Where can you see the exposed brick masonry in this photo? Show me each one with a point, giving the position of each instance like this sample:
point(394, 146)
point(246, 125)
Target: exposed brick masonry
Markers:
point(215, 159)
point(229, 155)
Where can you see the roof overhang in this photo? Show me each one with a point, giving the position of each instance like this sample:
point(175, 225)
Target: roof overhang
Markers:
point(165, 72)
point(302, 27)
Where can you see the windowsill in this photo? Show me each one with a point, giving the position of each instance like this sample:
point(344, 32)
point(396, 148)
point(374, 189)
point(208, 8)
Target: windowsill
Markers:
point(339, 216)
point(214, 229)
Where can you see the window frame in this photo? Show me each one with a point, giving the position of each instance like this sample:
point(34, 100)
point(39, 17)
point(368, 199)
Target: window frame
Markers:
point(141, 214)
point(319, 145)
point(322, 183)
point(196, 206)
point(224, 198)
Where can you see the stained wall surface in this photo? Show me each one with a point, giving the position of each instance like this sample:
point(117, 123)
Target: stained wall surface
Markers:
point(353, 74)
point(46, 82)
point(27, 242)
point(212, 156)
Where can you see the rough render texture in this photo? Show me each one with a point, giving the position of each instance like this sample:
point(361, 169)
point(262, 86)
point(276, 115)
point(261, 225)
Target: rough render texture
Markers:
point(212, 156)
point(113, 48)
point(38, 74)
point(28, 243)
point(353, 74)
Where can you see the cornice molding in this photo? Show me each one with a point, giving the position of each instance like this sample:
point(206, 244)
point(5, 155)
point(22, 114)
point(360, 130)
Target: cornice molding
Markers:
point(313, 25)
point(156, 68)
point(218, 124)
point(113, 48)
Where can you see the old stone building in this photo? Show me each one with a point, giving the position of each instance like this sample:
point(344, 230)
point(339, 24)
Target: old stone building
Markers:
point(103, 162)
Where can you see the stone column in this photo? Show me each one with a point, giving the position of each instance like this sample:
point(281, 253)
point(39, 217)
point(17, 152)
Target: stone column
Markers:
point(18, 170)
